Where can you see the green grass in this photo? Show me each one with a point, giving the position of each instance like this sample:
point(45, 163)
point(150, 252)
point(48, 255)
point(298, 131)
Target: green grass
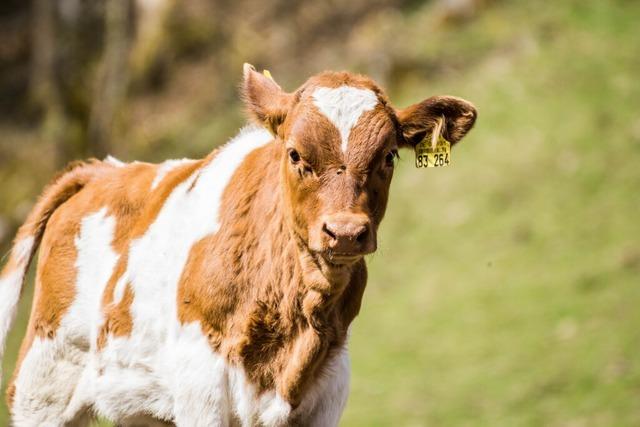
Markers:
point(505, 290)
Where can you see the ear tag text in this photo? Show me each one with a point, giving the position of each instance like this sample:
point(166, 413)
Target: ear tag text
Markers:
point(429, 155)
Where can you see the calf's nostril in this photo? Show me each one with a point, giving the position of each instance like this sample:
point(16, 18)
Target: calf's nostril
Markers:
point(326, 230)
point(362, 236)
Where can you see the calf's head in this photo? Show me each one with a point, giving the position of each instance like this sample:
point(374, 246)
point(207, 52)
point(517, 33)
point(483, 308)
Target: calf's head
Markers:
point(340, 138)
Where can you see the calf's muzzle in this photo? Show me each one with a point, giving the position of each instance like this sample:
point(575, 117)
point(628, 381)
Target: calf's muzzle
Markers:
point(346, 235)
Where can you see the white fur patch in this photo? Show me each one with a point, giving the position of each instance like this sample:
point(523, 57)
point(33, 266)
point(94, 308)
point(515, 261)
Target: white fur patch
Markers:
point(145, 361)
point(46, 381)
point(273, 410)
point(164, 168)
point(249, 407)
point(118, 290)
point(325, 401)
point(114, 161)
point(10, 287)
point(343, 106)
point(198, 380)
point(22, 250)
point(95, 262)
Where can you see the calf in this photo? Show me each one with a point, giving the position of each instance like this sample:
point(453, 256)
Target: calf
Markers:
point(218, 291)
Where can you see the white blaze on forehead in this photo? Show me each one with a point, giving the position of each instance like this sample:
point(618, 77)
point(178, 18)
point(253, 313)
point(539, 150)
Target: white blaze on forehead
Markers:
point(343, 106)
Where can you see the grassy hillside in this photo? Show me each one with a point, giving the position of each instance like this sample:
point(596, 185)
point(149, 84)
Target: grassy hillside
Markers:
point(505, 290)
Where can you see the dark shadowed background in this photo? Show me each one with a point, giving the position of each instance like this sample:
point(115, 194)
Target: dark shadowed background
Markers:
point(506, 288)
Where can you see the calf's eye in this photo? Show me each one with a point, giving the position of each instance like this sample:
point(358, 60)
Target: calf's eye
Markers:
point(294, 156)
point(390, 158)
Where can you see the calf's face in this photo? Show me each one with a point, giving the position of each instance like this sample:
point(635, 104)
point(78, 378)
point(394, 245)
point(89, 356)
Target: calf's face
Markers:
point(340, 138)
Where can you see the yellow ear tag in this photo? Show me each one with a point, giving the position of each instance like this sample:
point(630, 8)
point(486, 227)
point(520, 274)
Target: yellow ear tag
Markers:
point(267, 74)
point(429, 155)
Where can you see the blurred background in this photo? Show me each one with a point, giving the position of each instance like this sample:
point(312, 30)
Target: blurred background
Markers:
point(506, 288)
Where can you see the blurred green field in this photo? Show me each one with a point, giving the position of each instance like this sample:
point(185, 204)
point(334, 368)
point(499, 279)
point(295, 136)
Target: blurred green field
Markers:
point(505, 291)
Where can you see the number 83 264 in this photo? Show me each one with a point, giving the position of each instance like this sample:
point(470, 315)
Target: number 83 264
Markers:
point(425, 160)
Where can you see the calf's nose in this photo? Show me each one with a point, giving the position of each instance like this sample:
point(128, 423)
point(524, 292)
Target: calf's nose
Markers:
point(348, 233)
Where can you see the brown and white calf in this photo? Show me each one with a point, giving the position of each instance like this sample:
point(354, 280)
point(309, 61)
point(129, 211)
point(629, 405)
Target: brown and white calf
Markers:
point(218, 291)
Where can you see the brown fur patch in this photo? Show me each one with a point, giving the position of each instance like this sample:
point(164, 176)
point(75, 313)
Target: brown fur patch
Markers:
point(247, 289)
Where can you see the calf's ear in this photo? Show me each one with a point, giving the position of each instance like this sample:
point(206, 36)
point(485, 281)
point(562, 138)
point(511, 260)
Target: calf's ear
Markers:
point(265, 101)
point(455, 116)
